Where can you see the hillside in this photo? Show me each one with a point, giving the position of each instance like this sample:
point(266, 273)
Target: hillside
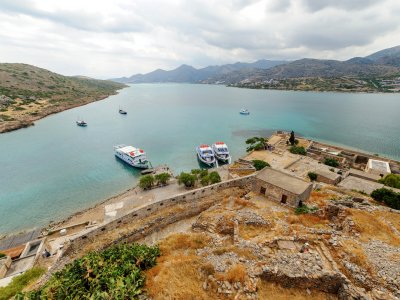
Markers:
point(390, 56)
point(28, 93)
point(189, 74)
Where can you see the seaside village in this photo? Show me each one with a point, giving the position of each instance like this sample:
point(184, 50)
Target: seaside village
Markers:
point(298, 228)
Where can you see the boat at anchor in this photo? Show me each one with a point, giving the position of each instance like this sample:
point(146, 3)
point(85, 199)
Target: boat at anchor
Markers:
point(133, 156)
point(206, 155)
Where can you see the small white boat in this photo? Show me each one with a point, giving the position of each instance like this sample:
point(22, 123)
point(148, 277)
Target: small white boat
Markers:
point(244, 111)
point(81, 123)
point(122, 112)
point(133, 156)
point(206, 155)
point(221, 152)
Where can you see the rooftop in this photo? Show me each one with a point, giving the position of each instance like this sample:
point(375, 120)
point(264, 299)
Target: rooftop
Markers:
point(283, 180)
point(379, 165)
point(327, 174)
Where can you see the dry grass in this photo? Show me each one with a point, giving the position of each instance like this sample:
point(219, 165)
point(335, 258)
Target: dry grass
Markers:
point(393, 218)
point(371, 228)
point(358, 256)
point(247, 253)
point(308, 220)
point(240, 203)
point(273, 291)
point(248, 232)
point(236, 273)
point(321, 197)
point(183, 241)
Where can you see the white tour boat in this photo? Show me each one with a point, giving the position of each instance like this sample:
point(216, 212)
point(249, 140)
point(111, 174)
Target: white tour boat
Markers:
point(206, 155)
point(244, 111)
point(133, 156)
point(221, 152)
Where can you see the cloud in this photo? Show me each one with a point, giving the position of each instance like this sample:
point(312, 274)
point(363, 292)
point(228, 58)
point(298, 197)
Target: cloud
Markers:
point(110, 38)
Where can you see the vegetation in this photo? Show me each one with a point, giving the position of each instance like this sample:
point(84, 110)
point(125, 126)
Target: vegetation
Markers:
point(188, 180)
point(313, 176)
point(19, 282)
point(162, 178)
point(115, 273)
point(391, 180)
point(331, 162)
point(298, 150)
point(304, 209)
point(214, 177)
point(146, 182)
point(256, 143)
point(292, 138)
point(260, 164)
point(2, 255)
point(389, 197)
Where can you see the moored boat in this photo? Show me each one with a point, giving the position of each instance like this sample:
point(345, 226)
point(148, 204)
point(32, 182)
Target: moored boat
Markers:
point(206, 155)
point(244, 111)
point(221, 152)
point(122, 112)
point(133, 156)
point(81, 123)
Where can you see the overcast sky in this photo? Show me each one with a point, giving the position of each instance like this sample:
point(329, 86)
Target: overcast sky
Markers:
point(113, 38)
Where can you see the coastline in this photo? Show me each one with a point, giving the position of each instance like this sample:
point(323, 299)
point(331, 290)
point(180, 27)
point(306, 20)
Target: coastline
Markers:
point(30, 120)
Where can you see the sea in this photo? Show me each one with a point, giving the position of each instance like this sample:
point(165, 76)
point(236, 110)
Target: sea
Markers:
point(55, 168)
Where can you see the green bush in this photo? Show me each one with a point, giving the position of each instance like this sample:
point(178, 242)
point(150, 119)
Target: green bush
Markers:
point(313, 176)
point(331, 162)
point(2, 255)
point(214, 177)
point(256, 143)
point(391, 180)
point(304, 209)
point(162, 178)
point(19, 282)
point(205, 180)
point(389, 197)
point(188, 180)
point(146, 181)
point(115, 273)
point(260, 164)
point(298, 150)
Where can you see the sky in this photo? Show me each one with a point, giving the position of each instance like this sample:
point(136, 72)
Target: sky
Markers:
point(114, 38)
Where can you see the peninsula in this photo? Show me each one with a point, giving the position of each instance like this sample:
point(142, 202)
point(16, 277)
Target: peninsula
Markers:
point(29, 93)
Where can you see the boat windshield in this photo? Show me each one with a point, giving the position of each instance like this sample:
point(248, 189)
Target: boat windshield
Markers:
point(223, 149)
point(206, 151)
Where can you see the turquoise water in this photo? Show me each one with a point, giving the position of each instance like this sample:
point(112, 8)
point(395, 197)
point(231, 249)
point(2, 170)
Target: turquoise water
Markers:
point(57, 168)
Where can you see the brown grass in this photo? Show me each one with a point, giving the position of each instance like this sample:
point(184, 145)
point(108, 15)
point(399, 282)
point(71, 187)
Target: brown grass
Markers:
point(247, 253)
point(248, 232)
point(273, 291)
point(358, 256)
point(371, 228)
point(308, 220)
point(236, 273)
point(183, 241)
point(240, 202)
point(321, 197)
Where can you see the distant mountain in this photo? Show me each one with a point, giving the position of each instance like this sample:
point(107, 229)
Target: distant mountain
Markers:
point(390, 57)
point(188, 74)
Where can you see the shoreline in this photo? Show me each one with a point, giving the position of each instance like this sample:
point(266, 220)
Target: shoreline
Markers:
point(134, 191)
point(30, 121)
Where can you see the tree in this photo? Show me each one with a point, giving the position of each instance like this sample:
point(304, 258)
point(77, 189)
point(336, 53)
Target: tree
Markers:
point(188, 180)
point(391, 180)
point(292, 139)
point(256, 143)
point(260, 164)
point(214, 177)
point(146, 182)
point(313, 176)
point(331, 162)
point(298, 150)
point(390, 198)
point(205, 180)
point(162, 178)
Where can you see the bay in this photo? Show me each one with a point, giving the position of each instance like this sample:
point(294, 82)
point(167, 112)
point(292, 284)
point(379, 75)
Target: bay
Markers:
point(56, 168)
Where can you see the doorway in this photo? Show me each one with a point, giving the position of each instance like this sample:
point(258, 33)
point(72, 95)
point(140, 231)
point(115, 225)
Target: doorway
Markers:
point(284, 199)
point(263, 190)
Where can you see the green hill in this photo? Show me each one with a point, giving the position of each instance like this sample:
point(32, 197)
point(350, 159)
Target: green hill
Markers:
point(28, 93)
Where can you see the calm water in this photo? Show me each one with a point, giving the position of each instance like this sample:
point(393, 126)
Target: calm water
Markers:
point(56, 168)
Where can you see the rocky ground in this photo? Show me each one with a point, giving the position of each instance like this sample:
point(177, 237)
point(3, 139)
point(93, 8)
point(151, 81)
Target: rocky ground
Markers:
point(247, 247)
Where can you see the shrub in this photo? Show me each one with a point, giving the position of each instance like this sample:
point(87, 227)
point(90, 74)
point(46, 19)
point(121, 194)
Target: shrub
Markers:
point(389, 197)
point(298, 150)
point(391, 180)
point(214, 177)
point(162, 178)
point(2, 255)
point(256, 143)
point(146, 181)
point(19, 282)
point(292, 139)
point(260, 164)
point(331, 162)
point(304, 209)
point(313, 176)
point(205, 180)
point(115, 273)
point(187, 179)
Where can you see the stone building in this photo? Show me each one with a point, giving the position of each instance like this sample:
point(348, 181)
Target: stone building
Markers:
point(327, 176)
point(377, 167)
point(282, 187)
